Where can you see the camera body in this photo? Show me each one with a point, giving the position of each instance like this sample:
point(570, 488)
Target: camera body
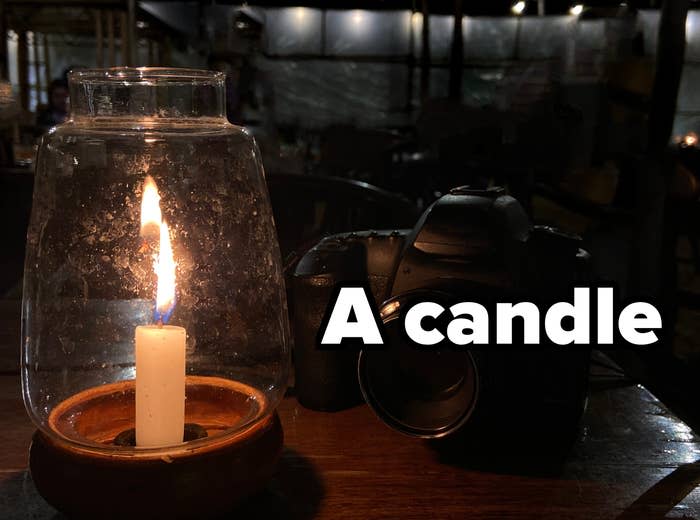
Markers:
point(470, 245)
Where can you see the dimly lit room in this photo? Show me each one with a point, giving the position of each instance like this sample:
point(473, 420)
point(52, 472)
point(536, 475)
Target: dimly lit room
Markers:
point(388, 259)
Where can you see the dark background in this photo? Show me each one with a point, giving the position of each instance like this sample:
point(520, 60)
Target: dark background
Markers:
point(365, 113)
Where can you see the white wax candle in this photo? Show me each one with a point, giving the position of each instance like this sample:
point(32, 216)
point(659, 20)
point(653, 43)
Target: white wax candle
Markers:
point(160, 385)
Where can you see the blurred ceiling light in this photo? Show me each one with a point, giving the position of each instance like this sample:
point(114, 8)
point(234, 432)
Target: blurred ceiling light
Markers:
point(300, 14)
point(690, 27)
point(417, 21)
point(300, 18)
point(576, 10)
point(690, 139)
point(518, 8)
point(357, 17)
point(358, 23)
point(141, 24)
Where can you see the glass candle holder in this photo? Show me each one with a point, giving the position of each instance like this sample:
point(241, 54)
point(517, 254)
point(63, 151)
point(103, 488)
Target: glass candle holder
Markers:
point(154, 311)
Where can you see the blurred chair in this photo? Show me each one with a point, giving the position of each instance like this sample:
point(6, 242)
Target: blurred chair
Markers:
point(308, 207)
point(350, 152)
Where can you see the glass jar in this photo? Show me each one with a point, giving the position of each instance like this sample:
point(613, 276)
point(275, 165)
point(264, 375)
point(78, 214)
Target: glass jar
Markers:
point(92, 266)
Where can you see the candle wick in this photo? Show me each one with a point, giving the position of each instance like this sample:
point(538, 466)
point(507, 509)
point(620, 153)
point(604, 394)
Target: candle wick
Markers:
point(160, 323)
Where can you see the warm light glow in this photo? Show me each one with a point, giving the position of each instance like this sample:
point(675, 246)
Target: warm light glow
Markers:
point(690, 139)
point(576, 10)
point(300, 14)
point(358, 23)
point(300, 19)
point(518, 8)
point(357, 17)
point(154, 228)
point(165, 270)
point(417, 21)
point(390, 308)
point(150, 209)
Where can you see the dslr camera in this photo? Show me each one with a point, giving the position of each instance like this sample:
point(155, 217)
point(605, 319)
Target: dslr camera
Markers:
point(470, 245)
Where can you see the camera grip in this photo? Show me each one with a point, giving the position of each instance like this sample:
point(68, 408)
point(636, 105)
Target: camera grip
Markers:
point(324, 379)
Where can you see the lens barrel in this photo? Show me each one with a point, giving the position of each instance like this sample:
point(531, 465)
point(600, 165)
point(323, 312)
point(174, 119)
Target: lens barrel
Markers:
point(427, 393)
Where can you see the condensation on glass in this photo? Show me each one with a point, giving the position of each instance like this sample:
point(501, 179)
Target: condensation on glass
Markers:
point(89, 277)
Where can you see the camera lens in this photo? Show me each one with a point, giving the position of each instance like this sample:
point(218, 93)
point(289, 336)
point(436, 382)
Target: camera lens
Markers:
point(420, 392)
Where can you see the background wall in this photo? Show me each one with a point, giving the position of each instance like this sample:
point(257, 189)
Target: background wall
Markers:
point(361, 67)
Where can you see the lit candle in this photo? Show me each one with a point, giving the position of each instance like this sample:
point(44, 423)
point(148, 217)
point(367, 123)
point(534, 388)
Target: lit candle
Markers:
point(160, 349)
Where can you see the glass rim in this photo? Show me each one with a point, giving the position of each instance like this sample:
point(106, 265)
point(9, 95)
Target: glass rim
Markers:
point(147, 75)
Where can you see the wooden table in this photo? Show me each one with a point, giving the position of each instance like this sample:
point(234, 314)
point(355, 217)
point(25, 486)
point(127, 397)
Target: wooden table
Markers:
point(632, 460)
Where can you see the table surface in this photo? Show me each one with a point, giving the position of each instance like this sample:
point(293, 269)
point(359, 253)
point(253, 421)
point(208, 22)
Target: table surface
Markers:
point(632, 459)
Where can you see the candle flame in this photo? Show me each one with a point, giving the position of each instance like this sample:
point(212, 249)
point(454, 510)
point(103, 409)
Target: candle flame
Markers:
point(165, 270)
point(150, 209)
point(152, 228)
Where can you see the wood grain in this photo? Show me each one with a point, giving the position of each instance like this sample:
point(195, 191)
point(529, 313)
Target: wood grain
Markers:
point(632, 459)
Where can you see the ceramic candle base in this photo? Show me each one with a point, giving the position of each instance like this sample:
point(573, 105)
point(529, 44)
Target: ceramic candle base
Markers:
point(197, 479)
